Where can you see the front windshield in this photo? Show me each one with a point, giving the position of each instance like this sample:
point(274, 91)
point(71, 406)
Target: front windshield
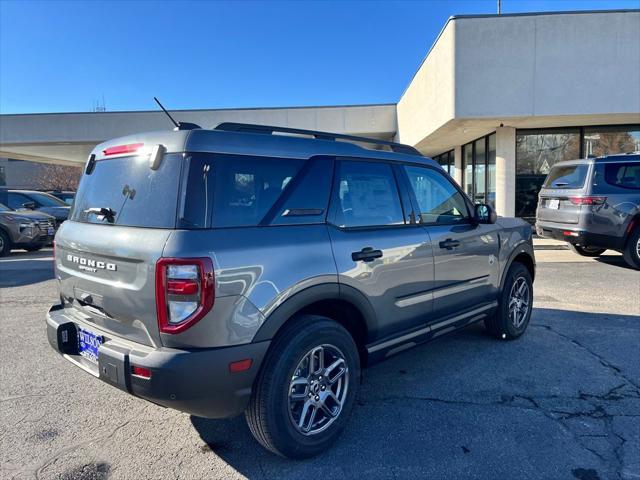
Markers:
point(47, 200)
point(4, 208)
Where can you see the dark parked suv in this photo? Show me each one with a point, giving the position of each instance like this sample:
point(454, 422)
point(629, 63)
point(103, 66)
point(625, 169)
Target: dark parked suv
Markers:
point(594, 205)
point(251, 269)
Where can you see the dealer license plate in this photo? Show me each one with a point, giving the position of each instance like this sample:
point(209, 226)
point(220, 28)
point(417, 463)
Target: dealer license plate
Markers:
point(88, 344)
point(554, 204)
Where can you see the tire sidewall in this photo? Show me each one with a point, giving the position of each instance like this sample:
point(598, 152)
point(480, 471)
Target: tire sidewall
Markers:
point(506, 327)
point(6, 244)
point(287, 439)
point(630, 253)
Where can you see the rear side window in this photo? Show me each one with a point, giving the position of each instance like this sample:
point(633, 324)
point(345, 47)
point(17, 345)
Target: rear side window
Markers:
point(567, 176)
point(233, 190)
point(623, 175)
point(438, 200)
point(367, 195)
point(137, 195)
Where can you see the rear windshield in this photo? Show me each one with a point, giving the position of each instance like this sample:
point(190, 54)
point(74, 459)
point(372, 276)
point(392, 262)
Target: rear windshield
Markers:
point(567, 176)
point(189, 191)
point(136, 195)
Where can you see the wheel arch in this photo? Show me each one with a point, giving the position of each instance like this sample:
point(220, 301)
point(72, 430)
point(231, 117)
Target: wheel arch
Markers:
point(341, 303)
point(523, 253)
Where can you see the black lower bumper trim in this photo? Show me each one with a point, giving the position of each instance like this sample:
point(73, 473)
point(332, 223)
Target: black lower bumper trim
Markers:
point(194, 381)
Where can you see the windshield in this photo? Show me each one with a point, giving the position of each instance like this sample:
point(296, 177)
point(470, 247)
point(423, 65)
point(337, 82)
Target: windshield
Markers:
point(567, 176)
point(4, 208)
point(47, 200)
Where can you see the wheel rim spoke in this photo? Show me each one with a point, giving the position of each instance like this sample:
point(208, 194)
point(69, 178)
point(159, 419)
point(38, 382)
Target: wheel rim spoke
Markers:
point(518, 306)
point(317, 393)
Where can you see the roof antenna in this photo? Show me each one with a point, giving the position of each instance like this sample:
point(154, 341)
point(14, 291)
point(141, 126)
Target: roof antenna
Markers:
point(179, 125)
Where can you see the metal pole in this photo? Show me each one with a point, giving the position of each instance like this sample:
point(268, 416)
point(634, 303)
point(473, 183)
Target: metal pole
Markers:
point(499, 7)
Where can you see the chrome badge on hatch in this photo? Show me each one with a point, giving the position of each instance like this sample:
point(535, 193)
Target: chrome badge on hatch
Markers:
point(89, 265)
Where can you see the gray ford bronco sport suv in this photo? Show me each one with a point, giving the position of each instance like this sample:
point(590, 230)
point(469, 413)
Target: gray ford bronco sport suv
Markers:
point(258, 269)
point(594, 205)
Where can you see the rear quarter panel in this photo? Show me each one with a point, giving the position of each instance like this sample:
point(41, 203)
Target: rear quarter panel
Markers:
point(256, 270)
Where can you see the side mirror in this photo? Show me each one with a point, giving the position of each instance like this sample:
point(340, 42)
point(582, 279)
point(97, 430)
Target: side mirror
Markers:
point(29, 205)
point(485, 214)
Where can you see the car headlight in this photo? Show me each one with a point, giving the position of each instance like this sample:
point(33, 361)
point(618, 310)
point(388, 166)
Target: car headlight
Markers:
point(28, 229)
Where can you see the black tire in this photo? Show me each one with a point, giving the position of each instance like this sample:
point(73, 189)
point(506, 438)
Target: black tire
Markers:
point(586, 251)
point(5, 244)
point(33, 248)
point(268, 414)
point(631, 252)
point(501, 325)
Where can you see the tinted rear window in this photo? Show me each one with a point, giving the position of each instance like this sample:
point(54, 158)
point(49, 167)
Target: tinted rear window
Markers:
point(139, 196)
point(624, 175)
point(567, 176)
point(232, 190)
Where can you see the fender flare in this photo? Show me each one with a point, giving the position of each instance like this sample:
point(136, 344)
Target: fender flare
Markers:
point(327, 291)
point(521, 247)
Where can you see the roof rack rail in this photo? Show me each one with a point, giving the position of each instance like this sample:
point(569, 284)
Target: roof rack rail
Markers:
point(269, 130)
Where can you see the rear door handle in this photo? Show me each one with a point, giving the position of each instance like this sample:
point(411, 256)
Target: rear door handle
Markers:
point(367, 254)
point(449, 244)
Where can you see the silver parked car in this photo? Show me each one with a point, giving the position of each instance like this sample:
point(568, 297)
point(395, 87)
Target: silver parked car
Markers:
point(251, 269)
point(27, 230)
point(594, 205)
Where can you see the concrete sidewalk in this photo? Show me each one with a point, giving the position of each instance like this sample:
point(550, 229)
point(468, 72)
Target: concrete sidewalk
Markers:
point(548, 244)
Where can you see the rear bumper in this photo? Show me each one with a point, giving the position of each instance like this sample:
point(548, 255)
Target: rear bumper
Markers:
point(577, 236)
point(195, 381)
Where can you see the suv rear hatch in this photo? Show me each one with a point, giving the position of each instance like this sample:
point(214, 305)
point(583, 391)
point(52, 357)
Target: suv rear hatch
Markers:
point(557, 202)
point(106, 254)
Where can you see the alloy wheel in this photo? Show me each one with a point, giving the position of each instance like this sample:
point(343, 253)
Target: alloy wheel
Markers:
point(519, 302)
point(318, 389)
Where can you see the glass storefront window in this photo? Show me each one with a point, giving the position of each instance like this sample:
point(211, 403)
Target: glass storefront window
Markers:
point(536, 152)
point(467, 168)
point(600, 141)
point(480, 165)
point(479, 169)
point(447, 162)
point(491, 171)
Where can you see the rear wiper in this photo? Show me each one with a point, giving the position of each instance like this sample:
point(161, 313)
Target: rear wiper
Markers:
point(102, 213)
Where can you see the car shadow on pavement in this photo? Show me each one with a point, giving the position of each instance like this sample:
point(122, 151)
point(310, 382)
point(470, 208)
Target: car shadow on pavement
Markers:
point(465, 404)
point(614, 260)
point(25, 268)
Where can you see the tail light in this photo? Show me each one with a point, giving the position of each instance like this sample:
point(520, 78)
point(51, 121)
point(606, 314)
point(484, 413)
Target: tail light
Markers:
point(587, 200)
point(122, 149)
point(184, 292)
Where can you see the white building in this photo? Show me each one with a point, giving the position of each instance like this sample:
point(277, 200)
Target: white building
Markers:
point(497, 101)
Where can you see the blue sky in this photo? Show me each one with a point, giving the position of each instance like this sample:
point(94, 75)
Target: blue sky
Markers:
point(63, 56)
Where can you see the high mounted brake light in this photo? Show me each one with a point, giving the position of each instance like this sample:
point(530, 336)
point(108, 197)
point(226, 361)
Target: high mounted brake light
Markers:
point(123, 149)
point(184, 292)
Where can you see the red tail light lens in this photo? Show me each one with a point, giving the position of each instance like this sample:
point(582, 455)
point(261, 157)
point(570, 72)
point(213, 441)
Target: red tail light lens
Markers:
point(184, 292)
point(587, 200)
point(122, 149)
point(140, 371)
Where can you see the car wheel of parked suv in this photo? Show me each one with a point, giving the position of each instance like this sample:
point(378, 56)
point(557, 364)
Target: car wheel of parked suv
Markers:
point(587, 251)
point(5, 244)
point(515, 304)
point(631, 251)
point(306, 388)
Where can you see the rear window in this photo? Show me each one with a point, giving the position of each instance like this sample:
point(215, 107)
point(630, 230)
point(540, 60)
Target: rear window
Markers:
point(567, 176)
point(623, 175)
point(137, 195)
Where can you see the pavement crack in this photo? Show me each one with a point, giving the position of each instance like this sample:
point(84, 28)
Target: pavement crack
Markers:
point(603, 361)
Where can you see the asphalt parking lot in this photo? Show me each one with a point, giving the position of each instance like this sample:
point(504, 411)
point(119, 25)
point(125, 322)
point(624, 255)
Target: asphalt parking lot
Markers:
point(563, 402)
